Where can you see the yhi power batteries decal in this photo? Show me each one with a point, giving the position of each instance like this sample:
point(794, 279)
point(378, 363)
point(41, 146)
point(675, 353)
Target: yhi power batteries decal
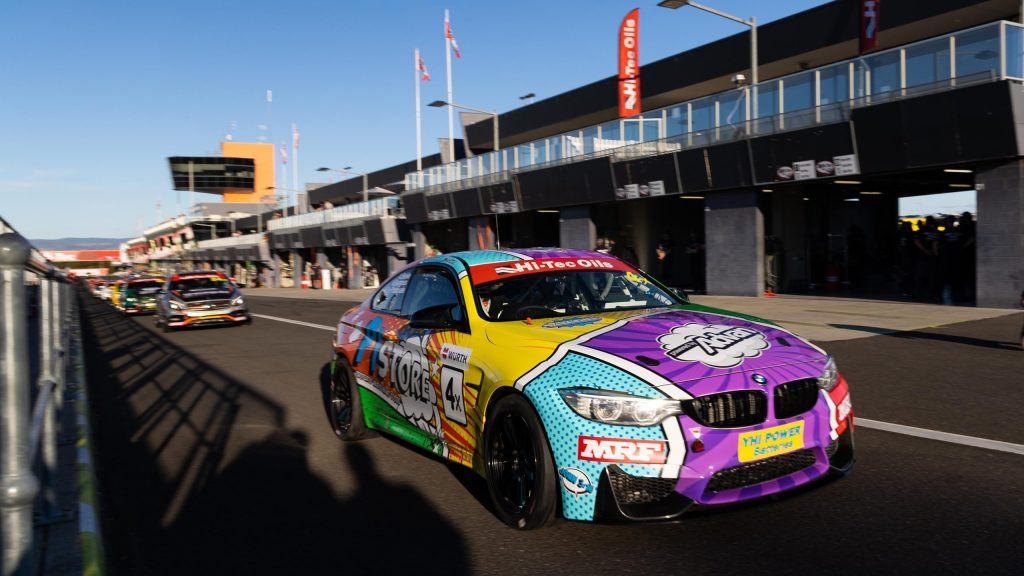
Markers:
point(714, 345)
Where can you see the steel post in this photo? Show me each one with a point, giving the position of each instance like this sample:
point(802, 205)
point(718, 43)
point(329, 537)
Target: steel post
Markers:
point(47, 289)
point(18, 486)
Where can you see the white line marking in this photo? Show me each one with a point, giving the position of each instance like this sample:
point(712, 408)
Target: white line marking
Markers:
point(299, 322)
point(941, 436)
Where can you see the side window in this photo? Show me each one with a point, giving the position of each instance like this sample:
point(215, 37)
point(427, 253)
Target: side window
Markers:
point(429, 288)
point(390, 297)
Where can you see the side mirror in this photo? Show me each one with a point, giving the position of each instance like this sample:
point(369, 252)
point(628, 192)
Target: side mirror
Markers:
point(680, 294)
point(440, 317)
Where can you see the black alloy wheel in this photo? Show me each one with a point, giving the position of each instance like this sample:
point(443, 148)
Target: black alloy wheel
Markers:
point(520, 470)
point(345, 409)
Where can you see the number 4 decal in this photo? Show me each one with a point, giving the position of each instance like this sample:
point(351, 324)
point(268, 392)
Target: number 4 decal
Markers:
point(451, 389)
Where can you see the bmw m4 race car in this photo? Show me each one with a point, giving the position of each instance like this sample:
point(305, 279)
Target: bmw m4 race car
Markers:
point(200, 298)
point(570, 377)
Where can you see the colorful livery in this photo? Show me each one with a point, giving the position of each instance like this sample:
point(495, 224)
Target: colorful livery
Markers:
point(138, 295)
point(571, 377)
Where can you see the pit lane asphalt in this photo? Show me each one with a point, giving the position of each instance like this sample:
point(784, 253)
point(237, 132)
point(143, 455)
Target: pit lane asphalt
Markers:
point(214, 456)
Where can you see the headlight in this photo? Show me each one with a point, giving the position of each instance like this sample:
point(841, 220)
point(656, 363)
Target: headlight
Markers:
point(830, 377)
point(175, 305)
point(238, 301)
point(619, 408)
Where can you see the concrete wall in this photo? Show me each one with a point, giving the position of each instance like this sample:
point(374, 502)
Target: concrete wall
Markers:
point(1000, 254)
point(734, 239)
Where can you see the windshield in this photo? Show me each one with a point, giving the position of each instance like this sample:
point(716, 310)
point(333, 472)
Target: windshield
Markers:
point(201, 284)
point(565, 293)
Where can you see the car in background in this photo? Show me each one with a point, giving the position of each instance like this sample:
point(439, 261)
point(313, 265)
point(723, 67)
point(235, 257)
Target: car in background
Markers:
point(102, 290)
point(139, 294)
point(573, 381)
point(198, 299)
point(115, 292)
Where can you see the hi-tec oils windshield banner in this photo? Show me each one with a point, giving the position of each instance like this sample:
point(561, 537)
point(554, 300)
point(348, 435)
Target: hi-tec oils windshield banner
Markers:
point(629, 65)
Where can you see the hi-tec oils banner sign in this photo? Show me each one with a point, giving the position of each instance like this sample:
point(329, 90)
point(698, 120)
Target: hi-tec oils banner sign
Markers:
point(869, 11)
point(629, 65)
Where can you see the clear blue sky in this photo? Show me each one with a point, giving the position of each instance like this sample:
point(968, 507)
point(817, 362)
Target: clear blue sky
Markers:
point(96, 95)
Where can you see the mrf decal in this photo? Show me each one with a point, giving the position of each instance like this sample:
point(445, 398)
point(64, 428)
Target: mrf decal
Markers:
point(713, 345)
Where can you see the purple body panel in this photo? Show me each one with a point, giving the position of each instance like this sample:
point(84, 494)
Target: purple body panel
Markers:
point(783, 352)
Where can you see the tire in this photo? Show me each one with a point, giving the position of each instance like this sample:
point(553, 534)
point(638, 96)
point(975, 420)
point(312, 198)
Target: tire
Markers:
point(520, 471)
point(344, 407)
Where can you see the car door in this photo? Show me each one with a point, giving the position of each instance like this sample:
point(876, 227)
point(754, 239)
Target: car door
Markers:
point(389, 366)
point(451, 385)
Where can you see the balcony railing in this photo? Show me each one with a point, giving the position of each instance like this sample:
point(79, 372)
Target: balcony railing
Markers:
point(992, 51)
point(377, 207)
point(243, 240)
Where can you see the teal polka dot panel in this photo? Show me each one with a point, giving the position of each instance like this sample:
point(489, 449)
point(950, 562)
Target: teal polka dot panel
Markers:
point(486, 257)
point(564, 426)
point(455, 263)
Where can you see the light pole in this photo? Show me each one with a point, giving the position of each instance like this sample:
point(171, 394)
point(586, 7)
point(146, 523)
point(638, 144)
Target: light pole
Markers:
point(349, 170)
point(494, 115)
point(673, 4)
point(295, 210)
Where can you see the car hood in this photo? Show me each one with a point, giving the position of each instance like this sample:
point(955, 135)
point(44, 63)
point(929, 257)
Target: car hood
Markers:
point(682, 345)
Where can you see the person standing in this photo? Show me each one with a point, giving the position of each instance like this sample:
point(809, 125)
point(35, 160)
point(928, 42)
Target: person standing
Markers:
point(665, 259)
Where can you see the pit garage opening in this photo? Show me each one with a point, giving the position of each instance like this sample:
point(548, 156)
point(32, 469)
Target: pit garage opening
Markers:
point(899, 236)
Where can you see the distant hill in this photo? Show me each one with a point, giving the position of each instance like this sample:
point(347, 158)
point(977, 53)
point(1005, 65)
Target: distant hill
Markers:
point(78, 243)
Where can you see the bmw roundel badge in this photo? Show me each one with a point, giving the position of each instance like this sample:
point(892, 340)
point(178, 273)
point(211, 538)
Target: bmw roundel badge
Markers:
point(759, 379)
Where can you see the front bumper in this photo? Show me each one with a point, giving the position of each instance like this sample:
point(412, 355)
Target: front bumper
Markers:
point(189, 318)
point(624, 497)
point(143, 307)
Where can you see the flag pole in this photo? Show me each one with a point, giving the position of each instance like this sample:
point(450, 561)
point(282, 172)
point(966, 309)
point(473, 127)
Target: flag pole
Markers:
point(451, 110)
point(295, 162)
point(284, 180)
point(419, 142)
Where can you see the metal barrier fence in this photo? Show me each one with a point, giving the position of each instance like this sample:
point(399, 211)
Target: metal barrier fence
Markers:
point(30, 415)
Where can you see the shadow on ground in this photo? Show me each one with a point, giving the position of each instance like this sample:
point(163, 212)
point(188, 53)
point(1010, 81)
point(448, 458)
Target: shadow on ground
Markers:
point(937, 335)
point(199, 475)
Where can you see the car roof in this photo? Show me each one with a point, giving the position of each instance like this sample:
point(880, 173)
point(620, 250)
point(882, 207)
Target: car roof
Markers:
point(202, 273)
point(531, 253)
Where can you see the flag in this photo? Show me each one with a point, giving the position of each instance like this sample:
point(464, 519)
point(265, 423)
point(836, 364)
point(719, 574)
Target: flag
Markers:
point(448, 34)
point(421, 67)
point(270, 96)
point(295, 137)
point(284, 153)
point(629, 65)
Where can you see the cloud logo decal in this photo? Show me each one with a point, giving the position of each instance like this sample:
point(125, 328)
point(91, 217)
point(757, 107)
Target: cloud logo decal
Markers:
point(713, 345)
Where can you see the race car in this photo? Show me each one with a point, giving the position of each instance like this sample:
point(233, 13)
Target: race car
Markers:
point(139, 294)
point(200, 298)
point(571, 377)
